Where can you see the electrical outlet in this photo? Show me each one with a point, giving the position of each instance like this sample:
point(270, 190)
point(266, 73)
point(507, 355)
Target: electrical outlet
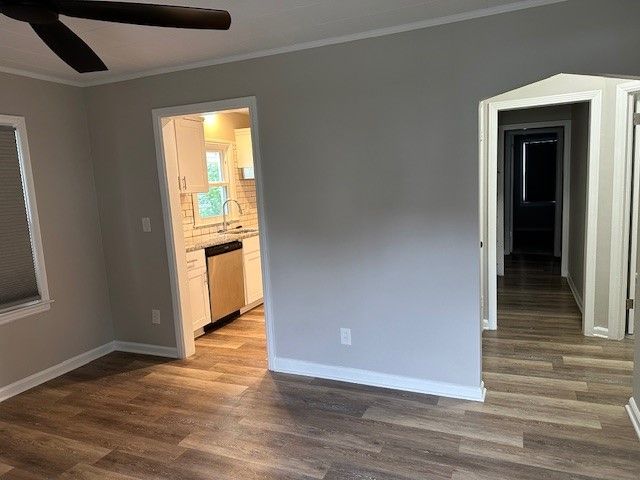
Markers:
point(345, 336)
point(155, 317)
point(146, 224)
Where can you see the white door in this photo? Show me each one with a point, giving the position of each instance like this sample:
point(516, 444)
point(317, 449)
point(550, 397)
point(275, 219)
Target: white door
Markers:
point(634, 255)
point(192, 156)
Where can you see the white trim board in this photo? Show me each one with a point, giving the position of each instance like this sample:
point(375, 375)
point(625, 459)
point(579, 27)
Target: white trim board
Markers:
point(145, 349)
point(50, 373)
point(375, 379)
point(634, 415)
point(78, 361)
point(576, 295)
point(407, 27)
point(601, 332)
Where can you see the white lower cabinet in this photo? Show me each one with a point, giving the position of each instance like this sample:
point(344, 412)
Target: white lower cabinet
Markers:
point(198, 289)
point(252, 270)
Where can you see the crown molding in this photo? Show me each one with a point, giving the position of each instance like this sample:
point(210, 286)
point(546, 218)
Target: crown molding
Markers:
point(381, 32)
point(41, 76)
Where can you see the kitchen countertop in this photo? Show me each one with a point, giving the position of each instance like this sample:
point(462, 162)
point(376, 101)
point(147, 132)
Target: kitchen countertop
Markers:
point(220, 239)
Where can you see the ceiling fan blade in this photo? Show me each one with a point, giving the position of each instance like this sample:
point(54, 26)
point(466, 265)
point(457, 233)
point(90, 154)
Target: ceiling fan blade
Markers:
point(146, 14)
point(69, 47)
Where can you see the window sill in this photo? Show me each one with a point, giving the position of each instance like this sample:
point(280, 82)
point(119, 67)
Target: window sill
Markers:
point(25, 310)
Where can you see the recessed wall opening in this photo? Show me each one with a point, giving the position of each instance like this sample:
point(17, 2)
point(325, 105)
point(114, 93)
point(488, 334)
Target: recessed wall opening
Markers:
point(208, 160)
point(558, 230)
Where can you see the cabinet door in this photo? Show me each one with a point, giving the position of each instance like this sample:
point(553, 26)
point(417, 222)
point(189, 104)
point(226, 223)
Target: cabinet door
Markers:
point(199, 295)
point(192, 156)
point(244, 148)
point(252, 277)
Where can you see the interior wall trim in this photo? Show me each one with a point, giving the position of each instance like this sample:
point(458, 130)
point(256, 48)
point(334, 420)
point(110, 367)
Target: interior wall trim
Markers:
point(145, 349)
point(78, 361)
point(634, 415)
point(376, 379)
point(602, 332)
point(576, 295)
point(50, 373)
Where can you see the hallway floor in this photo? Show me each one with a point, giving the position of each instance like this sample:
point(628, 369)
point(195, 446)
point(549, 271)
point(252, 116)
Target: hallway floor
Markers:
point(554, 410)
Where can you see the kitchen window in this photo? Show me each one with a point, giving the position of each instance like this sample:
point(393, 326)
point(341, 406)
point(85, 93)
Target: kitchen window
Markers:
point(208, 206)
point(23, 283)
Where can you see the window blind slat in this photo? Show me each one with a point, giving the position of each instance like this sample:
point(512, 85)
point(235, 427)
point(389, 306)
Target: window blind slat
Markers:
point(18, 282)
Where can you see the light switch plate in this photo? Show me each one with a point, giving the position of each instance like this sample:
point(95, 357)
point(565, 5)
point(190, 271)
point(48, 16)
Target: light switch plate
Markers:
point(146, 224)
point(155, 317)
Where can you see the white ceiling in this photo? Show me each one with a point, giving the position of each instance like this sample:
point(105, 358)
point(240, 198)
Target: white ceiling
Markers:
point(258, 27)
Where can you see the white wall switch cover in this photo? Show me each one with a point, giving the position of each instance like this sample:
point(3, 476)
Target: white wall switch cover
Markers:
point(155, 317)
point(345, 336)
point(146, 224)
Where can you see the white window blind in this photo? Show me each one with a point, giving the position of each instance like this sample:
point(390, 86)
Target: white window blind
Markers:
point(18, 280)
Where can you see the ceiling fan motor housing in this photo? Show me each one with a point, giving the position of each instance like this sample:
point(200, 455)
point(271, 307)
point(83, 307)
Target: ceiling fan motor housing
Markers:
point(38, 12)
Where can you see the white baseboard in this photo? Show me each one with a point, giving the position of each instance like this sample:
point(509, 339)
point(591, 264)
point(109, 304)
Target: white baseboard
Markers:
point(78, 361)
point(55, 371)
point(375, 379)
point(576, 295)
point(634, 415)
point(145, 349)
point(251, 306)
point(485, 324)
point(601, 332)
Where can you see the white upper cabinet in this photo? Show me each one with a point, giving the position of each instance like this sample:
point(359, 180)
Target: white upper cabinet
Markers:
point(244, 148)
point(191, 154)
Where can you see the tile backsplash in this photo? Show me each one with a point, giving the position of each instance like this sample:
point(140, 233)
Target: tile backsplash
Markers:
point(245, 194)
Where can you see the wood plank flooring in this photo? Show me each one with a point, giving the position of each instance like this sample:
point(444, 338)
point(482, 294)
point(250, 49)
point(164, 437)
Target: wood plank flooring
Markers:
point(554, 410)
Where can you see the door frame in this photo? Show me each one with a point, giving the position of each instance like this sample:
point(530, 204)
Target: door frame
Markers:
point(171, 212)
point(489, 148)
point(623, 164)
point(565, 144)
point(634, 221)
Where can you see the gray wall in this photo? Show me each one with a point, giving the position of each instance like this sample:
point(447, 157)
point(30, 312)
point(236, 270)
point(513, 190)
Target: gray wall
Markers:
point(80, 318)
point(371, 180)
point(578, 193)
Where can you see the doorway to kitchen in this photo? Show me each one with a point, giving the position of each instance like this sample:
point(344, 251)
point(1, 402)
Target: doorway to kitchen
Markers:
point(211, 187)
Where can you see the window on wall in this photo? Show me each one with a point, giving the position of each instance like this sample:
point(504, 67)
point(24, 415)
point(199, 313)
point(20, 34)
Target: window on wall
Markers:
point(23, 286)
point(208, 206)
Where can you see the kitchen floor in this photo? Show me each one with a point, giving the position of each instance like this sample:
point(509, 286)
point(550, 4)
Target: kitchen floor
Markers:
point(554, 410)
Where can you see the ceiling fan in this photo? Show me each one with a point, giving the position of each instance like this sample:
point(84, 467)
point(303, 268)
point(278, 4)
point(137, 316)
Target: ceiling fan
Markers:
point(43, 16)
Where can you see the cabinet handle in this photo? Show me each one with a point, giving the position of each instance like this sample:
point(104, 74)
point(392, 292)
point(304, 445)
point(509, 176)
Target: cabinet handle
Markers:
point(184, 183)
point(179, 183)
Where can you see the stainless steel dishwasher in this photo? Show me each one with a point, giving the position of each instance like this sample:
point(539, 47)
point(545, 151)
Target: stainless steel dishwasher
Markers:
point(226, 279)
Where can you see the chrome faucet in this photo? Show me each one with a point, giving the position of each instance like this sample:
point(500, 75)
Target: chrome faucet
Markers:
point(224, 213)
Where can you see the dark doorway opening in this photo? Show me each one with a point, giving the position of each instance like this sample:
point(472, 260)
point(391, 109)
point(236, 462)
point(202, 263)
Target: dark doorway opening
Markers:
point(536, 171)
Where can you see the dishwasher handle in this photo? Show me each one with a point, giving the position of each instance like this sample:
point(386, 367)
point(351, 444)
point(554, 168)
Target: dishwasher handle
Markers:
point(224, 248)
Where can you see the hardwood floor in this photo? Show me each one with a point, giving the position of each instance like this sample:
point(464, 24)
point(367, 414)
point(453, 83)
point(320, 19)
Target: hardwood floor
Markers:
point(554, 410)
